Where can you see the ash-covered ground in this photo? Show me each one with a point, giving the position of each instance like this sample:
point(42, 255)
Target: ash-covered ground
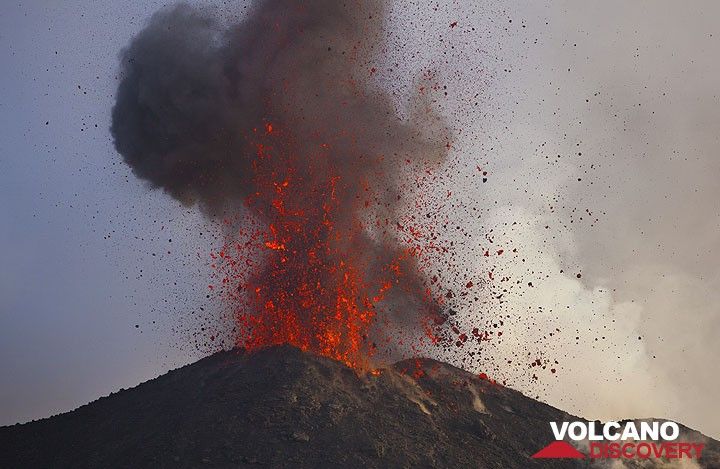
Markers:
point(280, 407)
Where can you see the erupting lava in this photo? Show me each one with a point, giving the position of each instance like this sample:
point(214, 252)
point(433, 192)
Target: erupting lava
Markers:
point(301, 278)
point(275, 126)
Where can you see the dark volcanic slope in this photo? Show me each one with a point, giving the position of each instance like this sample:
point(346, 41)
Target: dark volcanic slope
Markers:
point(283, 408)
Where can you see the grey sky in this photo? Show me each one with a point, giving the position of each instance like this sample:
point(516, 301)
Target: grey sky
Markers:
point(70, 213)
point(632, 86)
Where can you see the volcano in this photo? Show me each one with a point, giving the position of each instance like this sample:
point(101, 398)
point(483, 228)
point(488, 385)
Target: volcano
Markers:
point(281, 407)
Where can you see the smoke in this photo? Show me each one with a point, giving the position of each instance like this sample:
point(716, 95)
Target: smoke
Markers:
point(192, 90)
point(647, 99)
point(277, 114)
point(604, 164)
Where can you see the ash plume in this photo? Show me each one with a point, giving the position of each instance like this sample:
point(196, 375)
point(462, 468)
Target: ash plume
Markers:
point(204, 109)
point(192, 90)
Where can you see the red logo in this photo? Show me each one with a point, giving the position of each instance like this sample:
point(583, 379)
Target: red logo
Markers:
point(558, 449)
